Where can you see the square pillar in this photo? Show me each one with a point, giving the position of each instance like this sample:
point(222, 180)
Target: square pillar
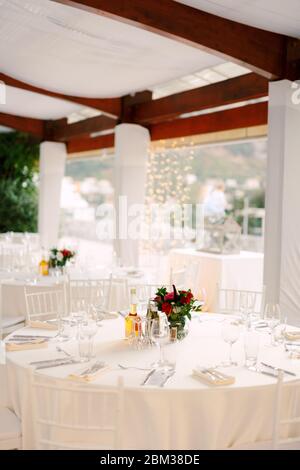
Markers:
point(282, 228)
point(52, 169)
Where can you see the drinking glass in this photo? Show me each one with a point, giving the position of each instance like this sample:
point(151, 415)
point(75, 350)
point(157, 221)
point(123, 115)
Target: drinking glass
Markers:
point(87, 331)
point(78, 315)
point(202, 297)
point(230, 334)
point(272, 316)
point(247, 304)
point(251, 344)
point(160, 334)
point(136, 336)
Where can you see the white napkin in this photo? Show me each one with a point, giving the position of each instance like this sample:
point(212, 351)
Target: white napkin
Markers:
point(42, 325)
point(34, 344)
point(81, 376)
point(292, 335)
point(213, 376)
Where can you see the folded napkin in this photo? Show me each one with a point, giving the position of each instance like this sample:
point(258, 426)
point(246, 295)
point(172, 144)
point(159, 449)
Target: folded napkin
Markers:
point(88, 374)
point(34, 344)
point(43, 325)
point(292, 335)
point(158, 378)
point(212, 376)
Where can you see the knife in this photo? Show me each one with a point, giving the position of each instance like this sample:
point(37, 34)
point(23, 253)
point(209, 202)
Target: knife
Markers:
point(57, 364)
point(167, 378)
point(48, 361)
point(148, 376)
point(277, 369)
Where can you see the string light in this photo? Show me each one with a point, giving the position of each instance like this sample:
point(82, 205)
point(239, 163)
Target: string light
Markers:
point(167, 171)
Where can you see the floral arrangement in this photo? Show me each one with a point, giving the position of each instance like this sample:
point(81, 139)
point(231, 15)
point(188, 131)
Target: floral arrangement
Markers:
point(177, 305)
point(59, 258)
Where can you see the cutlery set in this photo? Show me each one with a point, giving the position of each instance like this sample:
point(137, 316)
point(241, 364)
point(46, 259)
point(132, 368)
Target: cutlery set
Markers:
point(158, 377)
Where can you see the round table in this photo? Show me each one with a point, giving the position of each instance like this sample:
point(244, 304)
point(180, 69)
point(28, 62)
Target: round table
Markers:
point(13, 284)
point(185, 413)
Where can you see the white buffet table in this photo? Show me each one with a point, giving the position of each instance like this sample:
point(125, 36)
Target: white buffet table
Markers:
point(185, 414)
point(242, 271)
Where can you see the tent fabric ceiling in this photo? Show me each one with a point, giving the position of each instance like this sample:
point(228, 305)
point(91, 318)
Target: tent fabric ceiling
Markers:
point(278, 16)
point(64, 49)
point(28, 104)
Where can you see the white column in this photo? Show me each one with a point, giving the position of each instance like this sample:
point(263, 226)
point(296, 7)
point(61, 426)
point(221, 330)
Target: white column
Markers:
point(131, 155)
point(282, 227)
point(52, 168)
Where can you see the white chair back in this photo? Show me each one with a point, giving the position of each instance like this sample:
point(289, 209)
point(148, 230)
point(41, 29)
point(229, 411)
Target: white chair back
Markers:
point(76, 416)
point(286, 424)
point(45, 305)
point(229, 300)
point(119, 294)
point(83, 293)
point(178, 278)
point(145, 292)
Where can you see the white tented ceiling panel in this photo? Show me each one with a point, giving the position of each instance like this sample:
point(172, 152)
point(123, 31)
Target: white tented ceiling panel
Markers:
point(67, 50)
point(278, 16)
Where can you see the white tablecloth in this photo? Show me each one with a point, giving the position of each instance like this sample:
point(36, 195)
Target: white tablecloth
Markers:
point(185, 414)
point(13, 300)
point(242, 271)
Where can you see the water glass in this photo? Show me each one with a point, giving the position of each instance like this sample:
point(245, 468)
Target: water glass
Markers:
point(87, 331)
point(279, 332)
point(251, 344)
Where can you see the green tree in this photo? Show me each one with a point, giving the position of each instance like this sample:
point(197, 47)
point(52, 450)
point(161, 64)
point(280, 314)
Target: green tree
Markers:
point(19, 155)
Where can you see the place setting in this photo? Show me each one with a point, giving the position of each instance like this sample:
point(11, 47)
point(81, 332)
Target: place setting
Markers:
point(149, 228)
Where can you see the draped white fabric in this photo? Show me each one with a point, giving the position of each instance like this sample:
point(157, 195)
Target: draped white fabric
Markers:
point(185, 414)
point(64, 49)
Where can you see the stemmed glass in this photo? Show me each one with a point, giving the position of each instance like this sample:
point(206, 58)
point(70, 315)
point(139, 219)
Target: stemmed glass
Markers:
point(247, 303)
point(160, 334)
point(202, 297)
point(272, 316)
point(230, 334)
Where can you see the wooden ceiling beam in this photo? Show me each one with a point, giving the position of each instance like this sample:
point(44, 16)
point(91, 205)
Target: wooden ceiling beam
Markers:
point(60, 131)
point(23, 124)
point(261, 51)
point(235, 118)
point(243, 88)
point(106, 105)
point(89, 144)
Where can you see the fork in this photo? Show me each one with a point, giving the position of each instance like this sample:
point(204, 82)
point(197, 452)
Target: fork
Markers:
point(59, 349)
point(133, 367)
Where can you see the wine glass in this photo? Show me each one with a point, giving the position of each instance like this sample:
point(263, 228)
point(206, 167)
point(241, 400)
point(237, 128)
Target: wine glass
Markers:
point(230, 334)
point(202, 297)
point(160, 334)
point(272, 316)
point(247, 303)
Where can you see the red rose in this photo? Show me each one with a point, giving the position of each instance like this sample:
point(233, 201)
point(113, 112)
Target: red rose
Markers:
point(169, 296)
point(186, 297)
point(166, 308)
